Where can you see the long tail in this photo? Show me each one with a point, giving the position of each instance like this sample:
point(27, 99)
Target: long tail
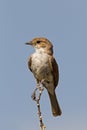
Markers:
point(54, 104)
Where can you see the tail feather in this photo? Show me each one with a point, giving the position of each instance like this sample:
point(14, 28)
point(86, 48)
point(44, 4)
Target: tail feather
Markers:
point(54, 104)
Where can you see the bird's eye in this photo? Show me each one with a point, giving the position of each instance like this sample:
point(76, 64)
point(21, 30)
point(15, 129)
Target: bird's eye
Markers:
point(38, 42)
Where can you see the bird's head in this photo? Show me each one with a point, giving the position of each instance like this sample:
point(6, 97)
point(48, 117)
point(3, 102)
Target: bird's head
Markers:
point(41, 43)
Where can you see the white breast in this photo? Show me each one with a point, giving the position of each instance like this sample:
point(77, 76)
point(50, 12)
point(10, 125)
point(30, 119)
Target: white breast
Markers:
point(41, 69)
point(40, 64)
point(39, 59)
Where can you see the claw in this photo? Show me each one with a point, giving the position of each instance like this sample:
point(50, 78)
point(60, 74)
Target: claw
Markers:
point(33, 96)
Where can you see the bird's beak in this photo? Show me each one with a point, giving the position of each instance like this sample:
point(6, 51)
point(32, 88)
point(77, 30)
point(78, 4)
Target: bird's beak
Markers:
point(28, 43)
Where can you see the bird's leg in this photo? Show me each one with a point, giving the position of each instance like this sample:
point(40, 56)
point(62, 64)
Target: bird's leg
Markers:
point(38, 87)
point(37, 84)
point(34, 93)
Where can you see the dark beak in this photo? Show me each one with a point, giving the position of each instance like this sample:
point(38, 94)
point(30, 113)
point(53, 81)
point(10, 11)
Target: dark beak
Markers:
point(28, 43)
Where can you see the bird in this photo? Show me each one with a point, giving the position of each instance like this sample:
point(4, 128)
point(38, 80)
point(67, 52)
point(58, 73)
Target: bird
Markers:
point(45, 69)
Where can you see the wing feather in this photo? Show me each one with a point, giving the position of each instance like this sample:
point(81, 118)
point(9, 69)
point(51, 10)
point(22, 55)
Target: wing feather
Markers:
point(29, 63)
point(55, 71)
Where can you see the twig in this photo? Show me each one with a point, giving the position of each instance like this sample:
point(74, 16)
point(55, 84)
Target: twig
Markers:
point(37, 99)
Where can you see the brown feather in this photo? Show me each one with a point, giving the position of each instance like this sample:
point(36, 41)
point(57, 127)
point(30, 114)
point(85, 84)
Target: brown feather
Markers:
point(29, 63)
point(54, 104)
point(55, 70)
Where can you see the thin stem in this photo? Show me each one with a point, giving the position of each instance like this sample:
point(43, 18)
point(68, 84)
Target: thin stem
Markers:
point(37, 99)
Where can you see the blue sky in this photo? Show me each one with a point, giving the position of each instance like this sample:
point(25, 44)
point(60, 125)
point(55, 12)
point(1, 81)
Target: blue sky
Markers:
point(64, 23)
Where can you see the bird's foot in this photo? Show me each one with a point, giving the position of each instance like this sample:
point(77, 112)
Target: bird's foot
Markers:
point(34, 94)
point(37, 93)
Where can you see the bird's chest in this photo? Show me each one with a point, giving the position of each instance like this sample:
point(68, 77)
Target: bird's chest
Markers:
point(39, 60)
point(40, 64)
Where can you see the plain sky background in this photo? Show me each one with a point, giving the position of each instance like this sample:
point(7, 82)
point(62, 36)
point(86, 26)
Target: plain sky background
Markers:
point(64, 23)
